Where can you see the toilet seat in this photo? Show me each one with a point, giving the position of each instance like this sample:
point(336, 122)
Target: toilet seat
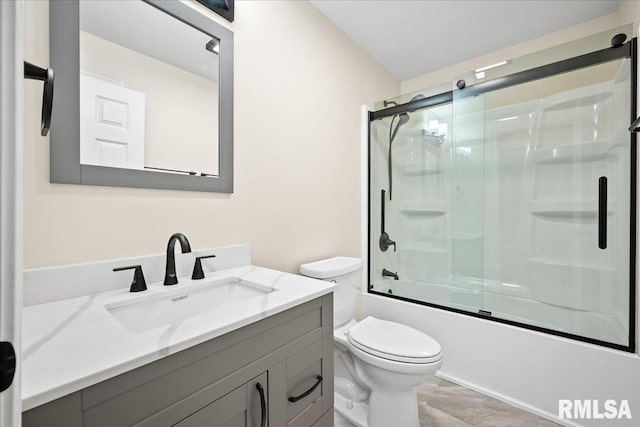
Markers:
point(393, 341)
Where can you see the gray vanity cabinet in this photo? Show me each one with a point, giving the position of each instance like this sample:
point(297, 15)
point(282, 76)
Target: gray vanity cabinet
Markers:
point(240, 408)
point(214, 383)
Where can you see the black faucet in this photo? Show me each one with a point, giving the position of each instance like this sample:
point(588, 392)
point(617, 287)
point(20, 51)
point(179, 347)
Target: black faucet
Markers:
point(170, 277)
point(387, 273)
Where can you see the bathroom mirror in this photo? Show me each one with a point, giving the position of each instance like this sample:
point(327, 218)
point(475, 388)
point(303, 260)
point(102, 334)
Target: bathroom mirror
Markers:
point(146, 96)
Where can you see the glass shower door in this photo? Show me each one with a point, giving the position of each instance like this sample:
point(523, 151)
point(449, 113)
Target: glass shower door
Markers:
point(467, 202)
point(553, 185)
point(509, 197)
point(416, 206)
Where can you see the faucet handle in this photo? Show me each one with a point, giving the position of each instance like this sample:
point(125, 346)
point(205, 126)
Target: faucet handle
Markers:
point(138, 284)
point(198, 273)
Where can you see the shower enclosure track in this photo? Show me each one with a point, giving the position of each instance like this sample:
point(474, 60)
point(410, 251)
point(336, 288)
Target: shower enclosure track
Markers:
point(537, 73)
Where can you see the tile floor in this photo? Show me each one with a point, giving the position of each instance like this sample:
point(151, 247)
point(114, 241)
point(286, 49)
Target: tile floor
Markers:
point(445, 404)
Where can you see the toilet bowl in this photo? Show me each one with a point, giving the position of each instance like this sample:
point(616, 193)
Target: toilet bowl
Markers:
point(378, 363)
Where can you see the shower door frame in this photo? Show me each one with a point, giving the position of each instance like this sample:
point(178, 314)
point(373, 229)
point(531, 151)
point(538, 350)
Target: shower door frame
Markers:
point(627, 50)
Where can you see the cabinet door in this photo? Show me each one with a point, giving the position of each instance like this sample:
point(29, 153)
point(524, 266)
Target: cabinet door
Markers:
point(257, 405)
point(240, 408)
point(301, 388)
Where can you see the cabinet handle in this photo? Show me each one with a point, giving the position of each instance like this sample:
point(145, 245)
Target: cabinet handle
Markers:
point(263, 406)
point(308, 392)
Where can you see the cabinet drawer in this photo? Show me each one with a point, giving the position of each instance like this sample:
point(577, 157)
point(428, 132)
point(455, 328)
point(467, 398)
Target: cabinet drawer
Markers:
point(305, 380)
point(308, 416)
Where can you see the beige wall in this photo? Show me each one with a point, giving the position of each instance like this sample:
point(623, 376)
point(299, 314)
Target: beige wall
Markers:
point(181, 108)
point(299, 84)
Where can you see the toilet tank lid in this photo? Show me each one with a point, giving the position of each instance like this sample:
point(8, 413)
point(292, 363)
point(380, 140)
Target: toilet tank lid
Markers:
point(331, 267)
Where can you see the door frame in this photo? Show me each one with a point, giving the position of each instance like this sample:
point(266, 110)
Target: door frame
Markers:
point(11, 210)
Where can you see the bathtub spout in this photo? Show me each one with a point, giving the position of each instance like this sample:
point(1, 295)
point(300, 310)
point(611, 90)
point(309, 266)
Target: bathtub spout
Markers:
point(387, 273)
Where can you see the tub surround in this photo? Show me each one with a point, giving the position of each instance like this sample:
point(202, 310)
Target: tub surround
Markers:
point(71, 341)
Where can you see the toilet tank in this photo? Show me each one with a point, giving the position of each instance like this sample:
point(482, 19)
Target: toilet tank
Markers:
point(346, 272)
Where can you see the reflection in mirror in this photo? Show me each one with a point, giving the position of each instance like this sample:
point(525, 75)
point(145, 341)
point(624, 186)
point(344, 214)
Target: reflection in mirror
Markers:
point(148, 90)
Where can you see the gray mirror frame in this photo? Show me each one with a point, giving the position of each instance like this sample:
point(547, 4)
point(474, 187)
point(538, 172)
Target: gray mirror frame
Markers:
point(64, 45)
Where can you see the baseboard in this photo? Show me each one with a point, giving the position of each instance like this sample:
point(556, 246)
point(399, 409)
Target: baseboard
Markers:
point(510, 401)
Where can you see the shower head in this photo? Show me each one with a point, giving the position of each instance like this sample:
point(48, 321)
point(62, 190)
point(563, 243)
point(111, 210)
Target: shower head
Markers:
point(403, 118)
point(416, 98)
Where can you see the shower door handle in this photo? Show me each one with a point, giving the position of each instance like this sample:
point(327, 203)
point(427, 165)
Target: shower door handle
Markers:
point(602, 212)
point(382, 194)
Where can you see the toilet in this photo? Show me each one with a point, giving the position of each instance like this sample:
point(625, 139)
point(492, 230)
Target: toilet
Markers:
point(377, 363)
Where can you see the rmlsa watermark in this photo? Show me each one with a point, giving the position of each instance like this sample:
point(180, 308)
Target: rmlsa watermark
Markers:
point(592, 409)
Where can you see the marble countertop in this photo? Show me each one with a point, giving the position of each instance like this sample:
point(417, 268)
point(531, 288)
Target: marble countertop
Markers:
point(74, 343)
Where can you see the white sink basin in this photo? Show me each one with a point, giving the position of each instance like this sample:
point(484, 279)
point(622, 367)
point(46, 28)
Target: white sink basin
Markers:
point(171, 307)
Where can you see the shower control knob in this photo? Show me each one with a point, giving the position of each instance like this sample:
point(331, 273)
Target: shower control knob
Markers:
point(385, 242)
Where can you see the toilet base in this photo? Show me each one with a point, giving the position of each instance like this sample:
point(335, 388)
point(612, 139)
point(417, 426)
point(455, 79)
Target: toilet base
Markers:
point(354, 412)
point(403, 414)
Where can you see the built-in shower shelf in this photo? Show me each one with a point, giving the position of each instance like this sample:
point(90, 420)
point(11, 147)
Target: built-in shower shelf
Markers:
point(421, 168)
point(585, 152)
point(425, 247)
point(573, 102)
point(585, 209)
point(424, 208)
point(570, 268)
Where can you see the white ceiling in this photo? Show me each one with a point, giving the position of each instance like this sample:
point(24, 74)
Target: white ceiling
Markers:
point(147, 30)
point(412, 38)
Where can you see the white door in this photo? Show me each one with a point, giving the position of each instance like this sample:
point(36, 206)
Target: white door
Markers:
point(111, 123)
point(11, 140)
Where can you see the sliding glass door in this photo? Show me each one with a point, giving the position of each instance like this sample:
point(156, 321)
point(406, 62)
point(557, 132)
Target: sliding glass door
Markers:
point(512, 193)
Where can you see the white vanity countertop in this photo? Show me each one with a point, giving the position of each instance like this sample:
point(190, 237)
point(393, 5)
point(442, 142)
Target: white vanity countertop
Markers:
point(74, 343)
